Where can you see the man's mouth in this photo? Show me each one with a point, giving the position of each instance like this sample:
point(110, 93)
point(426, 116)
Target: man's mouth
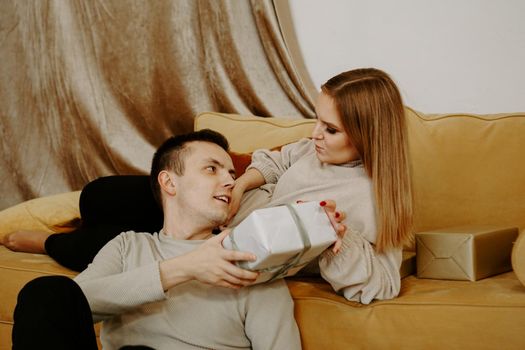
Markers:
point(224, 198)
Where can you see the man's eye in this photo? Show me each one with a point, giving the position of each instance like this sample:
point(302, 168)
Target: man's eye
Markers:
point(211, 169)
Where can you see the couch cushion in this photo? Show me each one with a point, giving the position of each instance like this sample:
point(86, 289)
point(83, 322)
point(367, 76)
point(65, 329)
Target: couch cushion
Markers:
point(57, 213)
point(428, 314)
point(16, 270)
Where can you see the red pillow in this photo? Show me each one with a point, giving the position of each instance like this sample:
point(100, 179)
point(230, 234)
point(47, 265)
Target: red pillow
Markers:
point(240, 162)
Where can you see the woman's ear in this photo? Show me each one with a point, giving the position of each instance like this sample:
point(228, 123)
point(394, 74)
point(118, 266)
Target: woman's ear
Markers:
point(167, 183)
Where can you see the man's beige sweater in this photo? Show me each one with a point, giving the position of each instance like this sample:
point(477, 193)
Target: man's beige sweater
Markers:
point(123, 288)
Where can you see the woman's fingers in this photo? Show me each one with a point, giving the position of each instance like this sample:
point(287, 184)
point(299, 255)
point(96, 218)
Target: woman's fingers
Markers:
point(335, 218)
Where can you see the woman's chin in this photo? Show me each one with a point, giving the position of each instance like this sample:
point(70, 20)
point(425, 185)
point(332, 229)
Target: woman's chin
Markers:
point(321, 157)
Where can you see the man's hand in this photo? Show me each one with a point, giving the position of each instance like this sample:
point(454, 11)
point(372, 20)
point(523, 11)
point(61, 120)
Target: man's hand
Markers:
point(210, 263)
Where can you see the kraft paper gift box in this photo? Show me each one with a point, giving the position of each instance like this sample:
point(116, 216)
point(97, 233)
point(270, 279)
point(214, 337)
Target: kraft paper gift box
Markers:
point(464, 253)
point(283, 238)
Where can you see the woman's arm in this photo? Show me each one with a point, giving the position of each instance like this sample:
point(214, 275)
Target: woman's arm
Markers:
point(267, 167)
point(359, 272)
point(251, 179)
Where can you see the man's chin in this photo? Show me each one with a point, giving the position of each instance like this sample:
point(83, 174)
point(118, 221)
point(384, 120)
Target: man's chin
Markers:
point(220, 220)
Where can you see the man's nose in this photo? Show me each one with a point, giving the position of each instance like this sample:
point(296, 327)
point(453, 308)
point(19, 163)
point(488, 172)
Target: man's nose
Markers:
point(228, 180)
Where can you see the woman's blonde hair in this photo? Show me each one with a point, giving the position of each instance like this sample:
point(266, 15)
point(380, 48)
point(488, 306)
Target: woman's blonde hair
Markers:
point(372, 113)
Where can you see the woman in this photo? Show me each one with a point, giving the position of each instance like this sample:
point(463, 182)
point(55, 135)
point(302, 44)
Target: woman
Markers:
point(358, 157)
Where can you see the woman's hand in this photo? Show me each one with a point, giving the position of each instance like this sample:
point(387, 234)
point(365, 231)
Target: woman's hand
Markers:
point(251, 179)
point(235, 202)
point(335, 219)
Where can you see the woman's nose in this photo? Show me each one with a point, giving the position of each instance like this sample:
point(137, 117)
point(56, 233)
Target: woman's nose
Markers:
point(316, 132)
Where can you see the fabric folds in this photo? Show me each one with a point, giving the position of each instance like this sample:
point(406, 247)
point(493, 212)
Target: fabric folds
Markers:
point(91, 88)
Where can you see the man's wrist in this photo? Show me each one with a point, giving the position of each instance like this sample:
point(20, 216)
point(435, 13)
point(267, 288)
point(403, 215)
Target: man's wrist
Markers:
point(174, 271)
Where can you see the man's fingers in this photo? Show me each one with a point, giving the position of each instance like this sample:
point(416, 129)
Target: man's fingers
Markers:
point(231, 255)
point(219, 238)
point(240, 281)
point(237, 276)
point(240, 274)
point(235, 255)
point(228, 285)
point(235, 285)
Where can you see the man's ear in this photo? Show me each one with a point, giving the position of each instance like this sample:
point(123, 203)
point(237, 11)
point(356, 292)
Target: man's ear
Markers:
point(167, 183)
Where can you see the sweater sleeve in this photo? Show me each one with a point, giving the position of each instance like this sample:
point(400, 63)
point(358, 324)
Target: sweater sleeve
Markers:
point(270, 322)
point(272, 164)
point(111, 290)
point(359, 272)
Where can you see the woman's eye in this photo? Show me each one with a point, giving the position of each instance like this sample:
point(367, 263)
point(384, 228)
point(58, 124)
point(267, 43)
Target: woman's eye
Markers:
point(211, 169)
point(331, 130)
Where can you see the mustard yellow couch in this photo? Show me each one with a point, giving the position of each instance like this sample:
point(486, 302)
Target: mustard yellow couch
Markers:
point(467, 170)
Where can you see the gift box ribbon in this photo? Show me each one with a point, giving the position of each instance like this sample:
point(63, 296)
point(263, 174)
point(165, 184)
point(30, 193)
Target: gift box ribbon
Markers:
point(281, 270)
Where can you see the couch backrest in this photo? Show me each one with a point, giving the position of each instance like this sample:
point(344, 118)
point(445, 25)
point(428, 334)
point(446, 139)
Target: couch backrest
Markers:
point(466, 169)
point(249, 133)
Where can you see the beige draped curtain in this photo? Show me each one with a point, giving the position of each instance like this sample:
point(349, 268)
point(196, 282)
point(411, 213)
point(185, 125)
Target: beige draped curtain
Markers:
point(91, 87)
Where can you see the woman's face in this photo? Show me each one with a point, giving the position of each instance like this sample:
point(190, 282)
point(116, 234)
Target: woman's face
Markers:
point(332, 144)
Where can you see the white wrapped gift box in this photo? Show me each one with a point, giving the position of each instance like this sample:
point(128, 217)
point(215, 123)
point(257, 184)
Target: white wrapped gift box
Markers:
point(283, 238)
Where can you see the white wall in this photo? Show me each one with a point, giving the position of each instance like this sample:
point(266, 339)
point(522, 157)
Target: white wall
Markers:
point(445, 55)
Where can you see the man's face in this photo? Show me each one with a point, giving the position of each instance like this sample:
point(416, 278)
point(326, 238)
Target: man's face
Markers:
point(204, 190)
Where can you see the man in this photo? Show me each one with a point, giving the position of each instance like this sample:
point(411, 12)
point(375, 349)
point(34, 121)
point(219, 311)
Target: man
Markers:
point(159, 290)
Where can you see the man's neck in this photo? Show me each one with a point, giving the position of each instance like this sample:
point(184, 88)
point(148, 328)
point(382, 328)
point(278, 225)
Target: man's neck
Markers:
point(178, 232)
point(180, 226)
